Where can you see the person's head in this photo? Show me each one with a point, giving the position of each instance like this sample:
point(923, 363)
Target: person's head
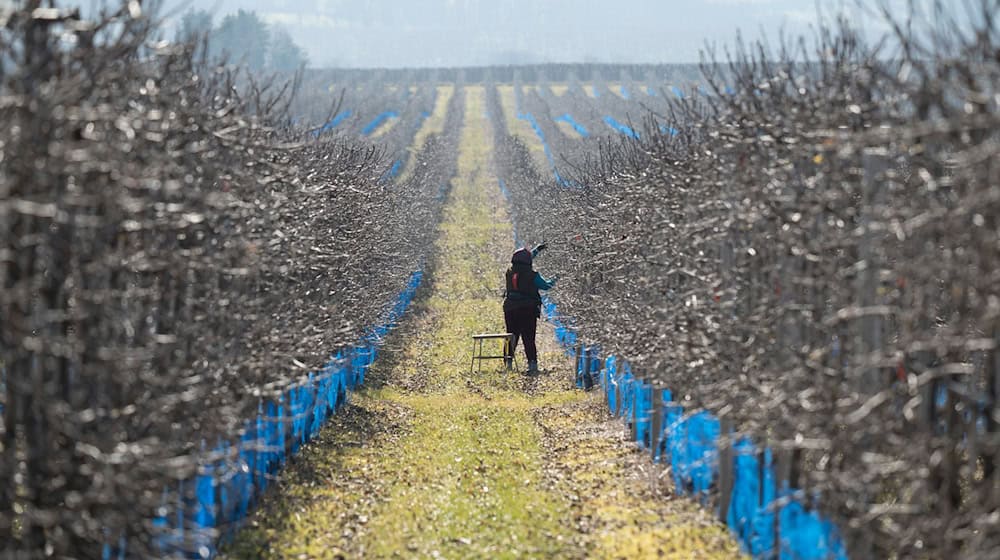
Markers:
point(521, 256)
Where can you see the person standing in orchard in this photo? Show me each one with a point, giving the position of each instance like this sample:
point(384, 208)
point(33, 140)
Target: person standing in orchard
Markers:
point(522, 304)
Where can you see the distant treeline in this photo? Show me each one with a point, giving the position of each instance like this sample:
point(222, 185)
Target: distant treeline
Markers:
point(584, 72)
point(243, 38)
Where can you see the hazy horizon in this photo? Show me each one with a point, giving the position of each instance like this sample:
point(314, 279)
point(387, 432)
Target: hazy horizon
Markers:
point(456, 33)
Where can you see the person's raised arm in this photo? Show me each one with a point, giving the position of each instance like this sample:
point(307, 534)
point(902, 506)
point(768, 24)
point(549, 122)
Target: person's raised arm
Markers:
point(542, 284)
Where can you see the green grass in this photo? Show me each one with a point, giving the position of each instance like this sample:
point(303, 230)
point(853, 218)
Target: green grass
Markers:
point(469, 483)
point(441, 462)
point(432, 125)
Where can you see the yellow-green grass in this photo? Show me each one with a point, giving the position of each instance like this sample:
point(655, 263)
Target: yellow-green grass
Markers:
point(520, 127)
point(466, 479)
point(473, 485)
point(568, 130)
point(616, 88)
point(432, 460)
point(509, 105)
point(431, 125)
point(624, 498)
point(559, 89)
point(384, 127)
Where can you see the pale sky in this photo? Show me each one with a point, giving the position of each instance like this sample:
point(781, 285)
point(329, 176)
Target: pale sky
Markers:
point(440, 33)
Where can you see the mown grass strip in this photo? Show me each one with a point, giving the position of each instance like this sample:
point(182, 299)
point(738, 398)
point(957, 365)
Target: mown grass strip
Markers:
point(433, 124)
point(520, 127)
point(430, 460)
point(470, 483)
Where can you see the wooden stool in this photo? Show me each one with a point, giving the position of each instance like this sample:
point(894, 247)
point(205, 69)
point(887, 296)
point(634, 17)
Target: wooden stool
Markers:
point(477, 351)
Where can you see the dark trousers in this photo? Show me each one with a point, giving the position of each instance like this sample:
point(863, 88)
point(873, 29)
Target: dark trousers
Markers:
point(522, 323)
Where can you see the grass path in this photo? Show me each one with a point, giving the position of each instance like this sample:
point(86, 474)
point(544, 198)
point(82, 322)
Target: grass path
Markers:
point(431, 461)
point(520, 127)
point(431, 125)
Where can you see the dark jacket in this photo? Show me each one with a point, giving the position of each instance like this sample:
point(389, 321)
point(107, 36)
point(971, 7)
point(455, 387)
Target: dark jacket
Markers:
point(522, 291)
point(523, 283)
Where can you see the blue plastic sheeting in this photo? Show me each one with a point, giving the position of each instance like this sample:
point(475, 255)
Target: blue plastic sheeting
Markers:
point(118, 552)
point(669, 130)
point(565, 335)
point(692, 449)
point(642, 413)
point(626, 130)
point(579, 128)
point(625, 93)
point(677, 92)
point(545, 146)
point(584, 370)
point(751, 508)
point(767, 523)
point(333, 123)
point(805, 535)
point(377, 121)
point(541, 135)
point(196, 513)
point(650, 91)
point(607, 376)
point(504, 191)
point(393, 171)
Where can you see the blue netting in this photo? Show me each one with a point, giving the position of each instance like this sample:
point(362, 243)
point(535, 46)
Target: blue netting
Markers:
point(751, 507)
point(608, 379)
point(612, 386)
point(196, 514)
point(504, 191)
point(587, 374)
point(393, 171)
point(626, 130)
point(333, 123)
point(669, 130)
point(560, 180)
point(690, 443)
point(626, 393)
point(805, 535)
point(660, 440)
point(377, 121)
point(579, 128)
point(764, 525)
point(564, 334)
point(642, 413)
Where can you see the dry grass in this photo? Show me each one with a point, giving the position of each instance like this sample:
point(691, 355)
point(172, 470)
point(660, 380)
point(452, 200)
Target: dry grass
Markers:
point(432, 125)
point(432, 461)
point(520, 128)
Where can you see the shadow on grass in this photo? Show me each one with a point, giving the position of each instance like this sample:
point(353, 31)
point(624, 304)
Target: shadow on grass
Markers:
point(385, 370)
point(362, 431)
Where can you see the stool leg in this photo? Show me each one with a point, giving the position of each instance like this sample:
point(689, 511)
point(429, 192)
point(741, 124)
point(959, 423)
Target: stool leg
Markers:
point(508, 355)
